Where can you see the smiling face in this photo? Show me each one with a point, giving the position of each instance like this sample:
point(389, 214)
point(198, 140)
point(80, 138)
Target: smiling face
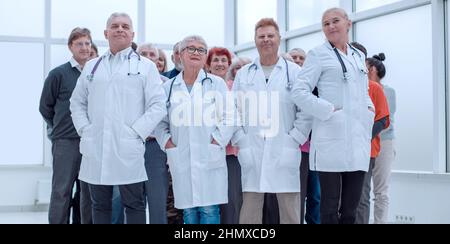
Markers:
point(81, 49)
point(336, 25)
point(267, 40)
point(119, 33)
point(219, 65)
point(194, 55)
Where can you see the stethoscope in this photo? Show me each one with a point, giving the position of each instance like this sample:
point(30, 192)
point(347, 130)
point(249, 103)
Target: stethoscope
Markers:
point(363, 68)
point(289, 85)
point(168, 104)
point(90, 77)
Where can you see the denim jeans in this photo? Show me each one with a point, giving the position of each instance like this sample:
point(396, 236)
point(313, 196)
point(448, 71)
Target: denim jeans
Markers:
point(202, 215)
point(118, 214)
point(312, 215)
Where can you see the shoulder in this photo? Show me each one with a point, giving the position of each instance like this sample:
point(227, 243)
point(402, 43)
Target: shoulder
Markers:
point(60, 69)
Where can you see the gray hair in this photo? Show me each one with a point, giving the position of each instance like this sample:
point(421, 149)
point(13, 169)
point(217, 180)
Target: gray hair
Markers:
point(297, 50)
point(287, 56)
point(237, 61)
point(147, 46)
point(339, 10)
point(115, 15)
point(184, 43)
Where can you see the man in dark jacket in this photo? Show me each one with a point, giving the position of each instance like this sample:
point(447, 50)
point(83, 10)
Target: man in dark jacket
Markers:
point(54, 107)
point(177, 62)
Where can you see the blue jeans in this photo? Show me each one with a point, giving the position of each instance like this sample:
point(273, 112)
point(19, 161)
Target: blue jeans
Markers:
point(118, 214)
point(202, 215)
point(312, 215)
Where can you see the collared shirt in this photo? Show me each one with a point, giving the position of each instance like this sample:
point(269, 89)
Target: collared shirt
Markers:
point(75, 64)
point(117, 59)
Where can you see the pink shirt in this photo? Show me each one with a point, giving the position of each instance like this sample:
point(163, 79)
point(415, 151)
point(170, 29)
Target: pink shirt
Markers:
point(305, 147)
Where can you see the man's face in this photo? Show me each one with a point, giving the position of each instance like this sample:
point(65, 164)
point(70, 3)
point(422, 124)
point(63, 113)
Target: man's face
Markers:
point(81, 48)
point(119, 33)
point(298, 57)
point(267, 40)
point(150, 53)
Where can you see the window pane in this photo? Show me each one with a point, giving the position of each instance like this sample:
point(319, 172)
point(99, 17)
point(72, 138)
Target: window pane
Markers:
point(308, 12)
point(91, 14)
point(251, 54)
point(21, 128)
point(409, 72)
point(170, 21)
point(248, 13)
point(60, 54)
point(22, 18)
point(368, 4)
point(307, 42)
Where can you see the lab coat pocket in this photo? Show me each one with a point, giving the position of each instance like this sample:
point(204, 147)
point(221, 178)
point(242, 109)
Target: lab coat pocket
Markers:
point(87, 146)
point(291, 154)
point(331, 129)
point(129, 133)
point(173, 159)
point(131, 150)
point(216, 157)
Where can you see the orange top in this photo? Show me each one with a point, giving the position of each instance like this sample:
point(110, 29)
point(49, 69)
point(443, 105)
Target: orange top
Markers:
point(379, 100)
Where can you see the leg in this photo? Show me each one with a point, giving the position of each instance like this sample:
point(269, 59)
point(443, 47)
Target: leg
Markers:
point(330, 191)
point(363, 210)
point(251, 212)
point(132, 196)
point(118, 212)
point(270, 209)
point(157, 186)
point(352, 184)
point(381, 178)
point(304, 169)
point(174, 216)
point(85, 204)
point(101, 197)
point(289, 204)
point(66, 165)
point(229, 213)
point(313, 199)
point(191, 216)
point(210, 215)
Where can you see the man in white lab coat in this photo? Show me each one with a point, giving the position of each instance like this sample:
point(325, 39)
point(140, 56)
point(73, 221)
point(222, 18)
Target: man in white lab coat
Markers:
point(117, 103)
point(269, 149)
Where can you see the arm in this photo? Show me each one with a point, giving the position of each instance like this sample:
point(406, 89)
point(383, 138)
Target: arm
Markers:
point(239, 132)
point(304, 86)
point(48, 98)
point(155, 108)
point(225, 110)
point(379, 126)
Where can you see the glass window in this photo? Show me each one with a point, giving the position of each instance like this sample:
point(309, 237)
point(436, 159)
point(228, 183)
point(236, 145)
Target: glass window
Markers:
point(368, 4)
point(308, 12)
point(307, 42)
point(251, 54)
point(170, 21)
point(61, 54)
point(91, 14)
point(409, 72)
point(22, 18)
point(22, 123)
point(249, 12)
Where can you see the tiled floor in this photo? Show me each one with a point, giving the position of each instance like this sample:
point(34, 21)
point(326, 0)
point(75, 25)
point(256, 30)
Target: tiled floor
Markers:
point(24, 218)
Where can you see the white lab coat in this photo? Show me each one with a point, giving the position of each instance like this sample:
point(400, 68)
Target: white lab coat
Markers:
point(341, 140)
point(198, 168)
point(269, 162)
point(114, 114)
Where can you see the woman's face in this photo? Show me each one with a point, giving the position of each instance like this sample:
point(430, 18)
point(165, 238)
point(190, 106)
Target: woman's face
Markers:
point(193, 56)
point(219, 65)
point(160, 64)
point(336, 26)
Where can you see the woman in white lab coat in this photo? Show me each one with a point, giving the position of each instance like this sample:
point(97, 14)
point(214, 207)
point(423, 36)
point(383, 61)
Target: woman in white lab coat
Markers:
point(195, 134)
point(343, 118)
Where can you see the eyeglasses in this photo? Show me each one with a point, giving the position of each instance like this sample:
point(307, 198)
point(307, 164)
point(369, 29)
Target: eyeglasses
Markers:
point(81, 44)
point(192, 50)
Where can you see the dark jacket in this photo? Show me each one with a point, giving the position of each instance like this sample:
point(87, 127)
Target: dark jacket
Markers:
point(54, 104)
point(171, 74)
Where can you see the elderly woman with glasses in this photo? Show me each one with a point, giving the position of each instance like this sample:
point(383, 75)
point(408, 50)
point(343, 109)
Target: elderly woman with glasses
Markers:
point(195, 134)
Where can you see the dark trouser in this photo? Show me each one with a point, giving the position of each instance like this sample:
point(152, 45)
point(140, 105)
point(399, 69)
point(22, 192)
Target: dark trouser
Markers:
point(229, 213)
point(310, 191)
point(344, 188)
point(157, 186)
point(75, 204)
point(132, 197)
point(86, 204)
point(363, 211)
point(66, 166)
point(271, 210)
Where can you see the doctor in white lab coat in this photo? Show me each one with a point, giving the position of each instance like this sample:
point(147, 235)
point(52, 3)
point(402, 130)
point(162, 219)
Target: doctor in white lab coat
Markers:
point(117, 103)
point(195, 134)
point(343, 118)
point(271, 131)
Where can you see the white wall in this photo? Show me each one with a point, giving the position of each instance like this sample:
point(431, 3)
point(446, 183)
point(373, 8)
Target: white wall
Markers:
point(18, 186)
point(425, 197)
